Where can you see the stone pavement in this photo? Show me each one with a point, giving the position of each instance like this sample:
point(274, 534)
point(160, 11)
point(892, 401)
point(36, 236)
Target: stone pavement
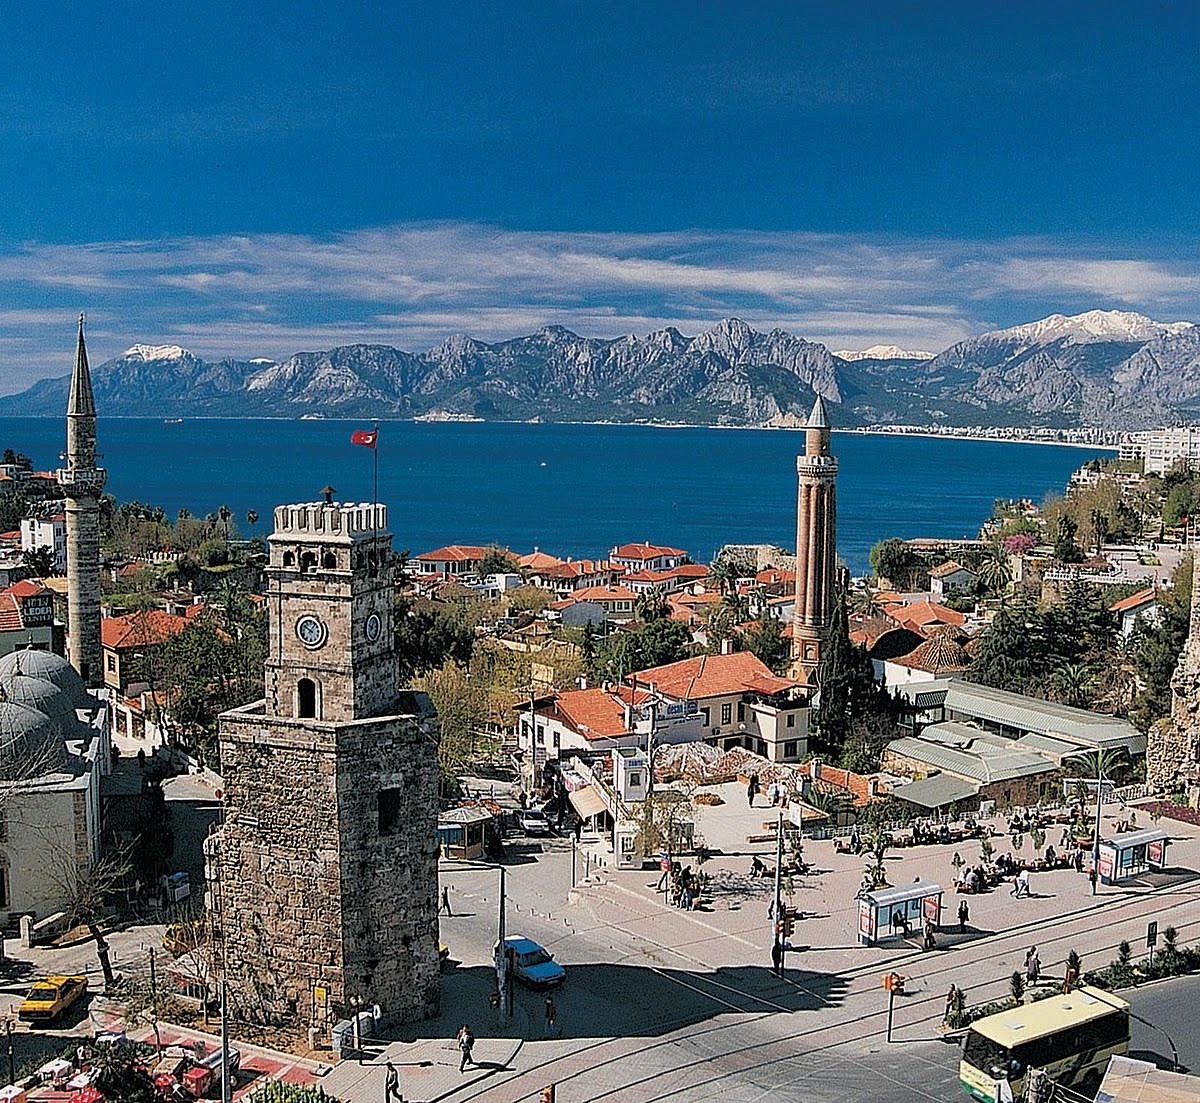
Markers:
point(428, 1068)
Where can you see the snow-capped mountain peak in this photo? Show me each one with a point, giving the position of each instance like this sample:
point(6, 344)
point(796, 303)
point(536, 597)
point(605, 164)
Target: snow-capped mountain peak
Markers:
point(155, 352)
point(1092, 326)
point(885, 352)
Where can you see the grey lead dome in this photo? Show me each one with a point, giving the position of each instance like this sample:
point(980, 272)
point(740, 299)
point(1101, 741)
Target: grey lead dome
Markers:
point(31, 744)
point(51, 668)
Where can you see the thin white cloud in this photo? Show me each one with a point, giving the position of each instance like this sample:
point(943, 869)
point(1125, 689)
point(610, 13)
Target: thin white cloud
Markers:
point(412, 285)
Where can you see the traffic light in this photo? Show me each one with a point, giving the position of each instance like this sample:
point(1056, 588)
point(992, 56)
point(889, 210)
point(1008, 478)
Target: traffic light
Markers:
point(548, 1094)
point(789, 924)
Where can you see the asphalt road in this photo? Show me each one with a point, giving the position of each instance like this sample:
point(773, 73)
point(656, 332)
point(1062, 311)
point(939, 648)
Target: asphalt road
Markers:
point(641, 1020)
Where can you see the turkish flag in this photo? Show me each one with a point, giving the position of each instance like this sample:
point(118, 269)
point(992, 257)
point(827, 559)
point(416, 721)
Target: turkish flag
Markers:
point(365, 437)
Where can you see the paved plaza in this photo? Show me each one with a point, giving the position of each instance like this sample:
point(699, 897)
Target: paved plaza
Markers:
point(665, 1004)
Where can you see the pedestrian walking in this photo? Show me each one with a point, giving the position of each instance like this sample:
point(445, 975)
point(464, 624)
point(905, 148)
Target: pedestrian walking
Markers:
point(1033, 966)
point(751, 790)
point(777, 959)
point(551, 1014)
point(466, 1042)
point(1078, 861)
point(446, 902)
point(578, 827)
point(391, 1085)
point(929, 943)
point(964, 913)
point(951, 1002)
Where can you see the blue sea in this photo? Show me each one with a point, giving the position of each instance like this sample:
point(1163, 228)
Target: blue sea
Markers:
point(569, 489)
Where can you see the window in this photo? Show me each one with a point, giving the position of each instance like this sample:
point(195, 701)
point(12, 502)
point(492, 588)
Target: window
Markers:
point(541, 732)
point(306, 699)
point(726, 713)
point(635, 778)
point(110, 662)
point(791, 749)
point(308, 562)
point(741, 711)
point(704, 718)
point(389, 811)
point(289, 559)
point(329, 561)
point(791, 720)
point(3, 888)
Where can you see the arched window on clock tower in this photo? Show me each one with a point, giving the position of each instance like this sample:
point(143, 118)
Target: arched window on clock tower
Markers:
point(306, 699)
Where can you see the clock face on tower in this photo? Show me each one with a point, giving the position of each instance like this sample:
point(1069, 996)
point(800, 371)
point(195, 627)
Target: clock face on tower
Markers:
point(311, 631)
point(373, 627)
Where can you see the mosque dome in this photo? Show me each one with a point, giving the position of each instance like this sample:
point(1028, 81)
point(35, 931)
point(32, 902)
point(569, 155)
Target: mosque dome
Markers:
point(50, 667)
point(31, 743)
point(42, 695)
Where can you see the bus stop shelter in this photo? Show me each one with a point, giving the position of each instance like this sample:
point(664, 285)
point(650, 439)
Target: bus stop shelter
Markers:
point(896, 912)
point(1130, 853)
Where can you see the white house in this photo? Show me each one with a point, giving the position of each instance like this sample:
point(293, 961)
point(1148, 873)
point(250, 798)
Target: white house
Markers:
point(741, 703)
point(1142, 606)
point(49, 533)
point(950, 577)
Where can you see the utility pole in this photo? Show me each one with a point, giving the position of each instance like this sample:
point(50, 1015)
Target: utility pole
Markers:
point(778, 909)
point(1095, 878)
point(502, 956)
point(12, 1065)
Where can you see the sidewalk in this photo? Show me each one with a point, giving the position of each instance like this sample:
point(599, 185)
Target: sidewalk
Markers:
point(428, 1067)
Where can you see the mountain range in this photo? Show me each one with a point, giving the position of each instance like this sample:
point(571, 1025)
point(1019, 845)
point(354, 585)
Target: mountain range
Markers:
point(1108, 369)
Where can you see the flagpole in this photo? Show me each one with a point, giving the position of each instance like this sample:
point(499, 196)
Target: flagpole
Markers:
point(375, 483)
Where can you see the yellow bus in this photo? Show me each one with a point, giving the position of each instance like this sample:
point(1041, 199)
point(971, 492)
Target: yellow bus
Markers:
point(1069, 1037)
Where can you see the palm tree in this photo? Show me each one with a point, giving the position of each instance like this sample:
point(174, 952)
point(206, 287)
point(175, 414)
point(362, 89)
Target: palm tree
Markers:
point(994, 570)
point(225, 513)
point(183, 514)
point(651, 605)
point(252, 517)
point(1069, 684)
point(724, 570)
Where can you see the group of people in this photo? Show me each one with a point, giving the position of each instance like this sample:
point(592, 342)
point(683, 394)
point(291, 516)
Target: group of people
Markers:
point(777, 792)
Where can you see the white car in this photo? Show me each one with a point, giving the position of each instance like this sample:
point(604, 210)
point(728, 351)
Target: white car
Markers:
point(533, 822)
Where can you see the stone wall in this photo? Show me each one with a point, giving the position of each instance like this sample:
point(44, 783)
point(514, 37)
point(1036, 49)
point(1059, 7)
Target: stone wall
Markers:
point(309, 891)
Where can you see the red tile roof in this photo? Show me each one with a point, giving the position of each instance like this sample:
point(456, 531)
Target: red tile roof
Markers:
point(773, 576)
point(597, 713)
point(948, 568)
point(644, 551)
point(925, 614)
point(453, 553)
point(715, 676)
point(605, 593)
point(538, 561)
point(1134, 601)
point(10, 614)
point(139, 629)
point(27, 587)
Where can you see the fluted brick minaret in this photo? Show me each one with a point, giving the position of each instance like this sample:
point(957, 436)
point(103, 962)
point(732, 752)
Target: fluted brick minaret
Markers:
point(82, 481)
point(816, 547)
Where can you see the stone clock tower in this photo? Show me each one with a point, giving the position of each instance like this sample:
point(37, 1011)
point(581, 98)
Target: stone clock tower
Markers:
point(325, 886)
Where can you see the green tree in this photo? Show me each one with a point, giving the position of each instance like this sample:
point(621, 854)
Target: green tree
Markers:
point(429, 634)
point(40, 561)
point(1155, 648)
point(1010, 654)
point(498, 560)
point(461, 705)
point(651, 605)
point(654, 644)
point(895, 560)
point(1066, 550)
point(765, 639)
point(851, 701)
point(588, 650)
point(994, 570)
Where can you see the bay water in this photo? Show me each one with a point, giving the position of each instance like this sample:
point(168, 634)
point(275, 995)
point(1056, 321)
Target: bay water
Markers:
point(568, 489)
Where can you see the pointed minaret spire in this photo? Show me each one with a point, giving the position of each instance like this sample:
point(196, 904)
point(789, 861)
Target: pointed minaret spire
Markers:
point(82, 402)
point(82, 481)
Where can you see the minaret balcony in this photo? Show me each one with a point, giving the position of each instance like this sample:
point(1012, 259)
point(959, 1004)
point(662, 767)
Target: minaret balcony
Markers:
point(78, 482)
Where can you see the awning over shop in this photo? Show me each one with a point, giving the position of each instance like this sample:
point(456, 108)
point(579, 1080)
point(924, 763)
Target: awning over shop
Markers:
point(588, 802)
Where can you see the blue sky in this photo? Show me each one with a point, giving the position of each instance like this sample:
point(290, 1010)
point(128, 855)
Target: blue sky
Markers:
point(259, 178)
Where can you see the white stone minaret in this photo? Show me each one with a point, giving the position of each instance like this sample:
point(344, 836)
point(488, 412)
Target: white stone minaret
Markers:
point(816, 547)
point(82, 481)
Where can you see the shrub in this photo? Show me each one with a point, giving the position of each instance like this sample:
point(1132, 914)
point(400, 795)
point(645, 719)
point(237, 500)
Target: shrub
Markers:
point(1016, 985)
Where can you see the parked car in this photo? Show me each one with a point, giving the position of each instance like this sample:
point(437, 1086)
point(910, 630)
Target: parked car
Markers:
point(532, 963)
point(51, 998)
point(533, 821)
